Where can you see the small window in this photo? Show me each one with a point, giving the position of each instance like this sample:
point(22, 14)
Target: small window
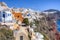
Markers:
point(21, 37)
point(9, 14)
point(18, 16)
point(3, 12)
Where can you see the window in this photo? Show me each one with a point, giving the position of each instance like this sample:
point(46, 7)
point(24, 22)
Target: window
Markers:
point(9, 14)
point(3, 12)
point(21, 37)
point(28, 15)
point(18, 16)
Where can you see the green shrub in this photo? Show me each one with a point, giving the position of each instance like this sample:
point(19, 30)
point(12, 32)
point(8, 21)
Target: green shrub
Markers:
point(26, 21)
point(6, 34)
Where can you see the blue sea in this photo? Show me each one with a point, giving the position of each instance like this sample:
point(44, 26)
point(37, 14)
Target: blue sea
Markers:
point(58, 25)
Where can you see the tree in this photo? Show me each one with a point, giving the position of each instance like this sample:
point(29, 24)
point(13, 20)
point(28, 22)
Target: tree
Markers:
point(31, 23)
point(26, 21)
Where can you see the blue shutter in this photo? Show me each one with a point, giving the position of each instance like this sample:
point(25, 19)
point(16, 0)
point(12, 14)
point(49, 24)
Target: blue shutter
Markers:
point(3, 15)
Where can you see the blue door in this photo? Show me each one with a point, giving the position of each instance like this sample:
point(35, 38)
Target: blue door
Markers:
point(3, 15)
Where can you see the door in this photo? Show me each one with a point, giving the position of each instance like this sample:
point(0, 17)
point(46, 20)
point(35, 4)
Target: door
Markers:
point(21, 37)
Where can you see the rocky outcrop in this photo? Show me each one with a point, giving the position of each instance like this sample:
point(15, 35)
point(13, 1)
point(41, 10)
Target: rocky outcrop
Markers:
point(48, 26)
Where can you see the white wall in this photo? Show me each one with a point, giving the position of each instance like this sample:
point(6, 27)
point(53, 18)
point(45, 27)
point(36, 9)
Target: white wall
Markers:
point(8, 16)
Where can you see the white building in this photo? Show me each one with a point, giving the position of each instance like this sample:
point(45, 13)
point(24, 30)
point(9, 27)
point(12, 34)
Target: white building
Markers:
point(5, 16)
point(8, 16)
point(39, 36)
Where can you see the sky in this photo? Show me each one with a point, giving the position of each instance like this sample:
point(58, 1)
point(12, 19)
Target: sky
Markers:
point(34, 4)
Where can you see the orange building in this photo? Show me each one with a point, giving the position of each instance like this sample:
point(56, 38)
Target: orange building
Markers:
point(18, 16)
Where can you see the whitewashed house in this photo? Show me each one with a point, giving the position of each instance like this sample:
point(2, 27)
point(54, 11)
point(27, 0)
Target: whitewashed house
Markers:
point(5, 16)
point(8, 17)
point(39, 36)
